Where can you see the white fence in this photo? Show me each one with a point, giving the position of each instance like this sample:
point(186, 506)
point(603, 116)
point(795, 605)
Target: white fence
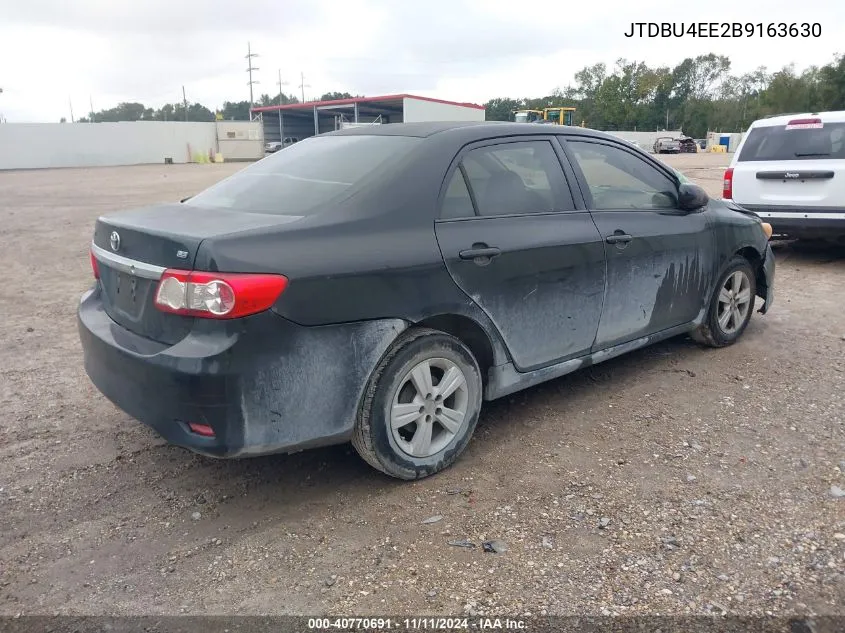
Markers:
point(43, 145)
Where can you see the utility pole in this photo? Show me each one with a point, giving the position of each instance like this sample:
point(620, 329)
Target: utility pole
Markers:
point(70, 103)
point(185, 103)
point(91, 103)
point(250, 69)
point(303, 85)
point(281, 131)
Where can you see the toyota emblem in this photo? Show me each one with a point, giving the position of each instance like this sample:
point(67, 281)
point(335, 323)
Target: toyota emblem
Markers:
point(114, 241)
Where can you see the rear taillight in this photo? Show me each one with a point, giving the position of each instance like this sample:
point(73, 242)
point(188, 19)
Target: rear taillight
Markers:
point(728, 184)
point(217, 295)
point(95, 267)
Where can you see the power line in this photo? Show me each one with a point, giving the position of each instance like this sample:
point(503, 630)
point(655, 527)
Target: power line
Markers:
point(250, 69)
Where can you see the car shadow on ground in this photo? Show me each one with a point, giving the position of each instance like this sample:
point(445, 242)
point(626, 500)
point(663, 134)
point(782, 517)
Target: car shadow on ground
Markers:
point(809, 252)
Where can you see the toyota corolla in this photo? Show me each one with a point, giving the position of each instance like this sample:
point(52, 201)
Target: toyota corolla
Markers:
point(377, 284)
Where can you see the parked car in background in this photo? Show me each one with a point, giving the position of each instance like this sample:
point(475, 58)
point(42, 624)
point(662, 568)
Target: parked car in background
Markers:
point(275, 146)
point(377, 284)
point(790, 170)
point(687, 145)
point(667, 145)
point(702, 143)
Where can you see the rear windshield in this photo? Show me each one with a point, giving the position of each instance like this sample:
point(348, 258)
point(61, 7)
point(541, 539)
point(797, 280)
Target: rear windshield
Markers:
point(305, 176)
point(778, 143)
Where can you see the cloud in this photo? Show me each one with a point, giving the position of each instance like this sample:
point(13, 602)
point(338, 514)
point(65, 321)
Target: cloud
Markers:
point(466, 50)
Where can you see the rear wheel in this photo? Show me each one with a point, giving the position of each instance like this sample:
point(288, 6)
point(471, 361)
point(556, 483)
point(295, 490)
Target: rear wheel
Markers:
point(731, 306)
point(421, 406)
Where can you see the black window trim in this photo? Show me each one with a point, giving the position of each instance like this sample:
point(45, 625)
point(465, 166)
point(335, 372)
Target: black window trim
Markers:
point(457, 164)
point(584, 187)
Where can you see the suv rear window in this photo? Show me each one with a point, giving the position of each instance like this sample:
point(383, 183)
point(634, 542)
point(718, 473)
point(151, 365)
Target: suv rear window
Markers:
point(777, 143)
point(306, 175)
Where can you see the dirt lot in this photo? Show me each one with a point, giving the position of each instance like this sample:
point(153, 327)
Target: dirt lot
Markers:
point(713, 468)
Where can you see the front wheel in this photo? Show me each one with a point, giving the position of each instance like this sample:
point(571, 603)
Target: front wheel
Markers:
point(731, 306)
point(420, 407)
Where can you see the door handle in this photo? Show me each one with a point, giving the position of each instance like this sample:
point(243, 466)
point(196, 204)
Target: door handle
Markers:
point(618, 238)
point(485, 252)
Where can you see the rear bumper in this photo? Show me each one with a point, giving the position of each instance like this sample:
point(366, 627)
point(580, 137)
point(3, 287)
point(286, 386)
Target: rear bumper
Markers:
point(263, 384)
point(802, 223)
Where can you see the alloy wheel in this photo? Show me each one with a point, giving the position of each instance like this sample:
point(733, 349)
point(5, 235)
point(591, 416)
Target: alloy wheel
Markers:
point(429, 407)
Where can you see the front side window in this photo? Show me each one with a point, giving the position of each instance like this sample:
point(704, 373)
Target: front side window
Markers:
point(517, 178)
point(620, 180)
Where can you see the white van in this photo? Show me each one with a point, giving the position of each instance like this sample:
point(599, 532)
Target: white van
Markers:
point(790, 170)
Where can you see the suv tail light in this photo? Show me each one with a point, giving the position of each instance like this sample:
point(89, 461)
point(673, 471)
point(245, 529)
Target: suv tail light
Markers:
point(805, 124)
point(728, 184)
point(95, 267)
point(217, 295)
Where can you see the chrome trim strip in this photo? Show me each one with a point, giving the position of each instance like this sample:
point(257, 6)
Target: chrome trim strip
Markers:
point(126, 265)
point(789, 215)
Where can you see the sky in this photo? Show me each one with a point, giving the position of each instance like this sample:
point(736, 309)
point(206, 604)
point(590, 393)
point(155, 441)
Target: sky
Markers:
point(54, 53)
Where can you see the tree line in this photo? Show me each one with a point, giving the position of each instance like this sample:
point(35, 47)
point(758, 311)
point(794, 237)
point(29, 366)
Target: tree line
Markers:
point(699, 94)
point(231, 110)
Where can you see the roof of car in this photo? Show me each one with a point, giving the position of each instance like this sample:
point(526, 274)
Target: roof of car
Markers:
point(436, 127)
point(783, 119)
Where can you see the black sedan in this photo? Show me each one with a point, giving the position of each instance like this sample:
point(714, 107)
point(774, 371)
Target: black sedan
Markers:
point(377, 284)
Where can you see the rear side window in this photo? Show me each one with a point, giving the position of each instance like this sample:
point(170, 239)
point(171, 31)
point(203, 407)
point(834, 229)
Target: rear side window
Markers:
point(457, 202)
point(517, 178)
point(778, 143)
point(307, 175)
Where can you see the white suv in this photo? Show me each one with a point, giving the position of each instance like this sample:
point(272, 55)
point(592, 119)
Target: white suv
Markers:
point(790, 170)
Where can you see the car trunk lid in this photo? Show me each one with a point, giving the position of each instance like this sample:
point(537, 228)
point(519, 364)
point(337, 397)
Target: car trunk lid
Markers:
point(134, 248)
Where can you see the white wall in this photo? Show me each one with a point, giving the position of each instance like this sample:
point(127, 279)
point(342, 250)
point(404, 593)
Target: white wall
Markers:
point(416, 110)
point(645, 140)
point(40, 145)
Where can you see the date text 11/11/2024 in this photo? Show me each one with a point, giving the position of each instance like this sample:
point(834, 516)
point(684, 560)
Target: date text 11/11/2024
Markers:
point(416, 624)
point(725, 29)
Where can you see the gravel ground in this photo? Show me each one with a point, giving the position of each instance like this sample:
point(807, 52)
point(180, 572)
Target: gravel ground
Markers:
point(673, 480)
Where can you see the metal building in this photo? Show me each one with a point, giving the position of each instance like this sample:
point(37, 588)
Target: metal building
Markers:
point(301, 120)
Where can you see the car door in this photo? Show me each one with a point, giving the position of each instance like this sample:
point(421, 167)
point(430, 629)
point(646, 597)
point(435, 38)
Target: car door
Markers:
point(514, 241)
point(659, 258)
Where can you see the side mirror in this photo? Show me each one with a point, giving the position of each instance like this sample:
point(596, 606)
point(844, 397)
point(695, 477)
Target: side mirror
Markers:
point(691, 197)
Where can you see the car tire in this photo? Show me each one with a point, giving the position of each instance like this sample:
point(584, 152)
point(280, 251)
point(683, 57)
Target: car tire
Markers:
point(394, 392)
point(726, 303)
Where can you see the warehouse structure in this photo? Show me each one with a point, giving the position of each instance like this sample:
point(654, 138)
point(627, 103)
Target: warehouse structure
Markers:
point(301, 120)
